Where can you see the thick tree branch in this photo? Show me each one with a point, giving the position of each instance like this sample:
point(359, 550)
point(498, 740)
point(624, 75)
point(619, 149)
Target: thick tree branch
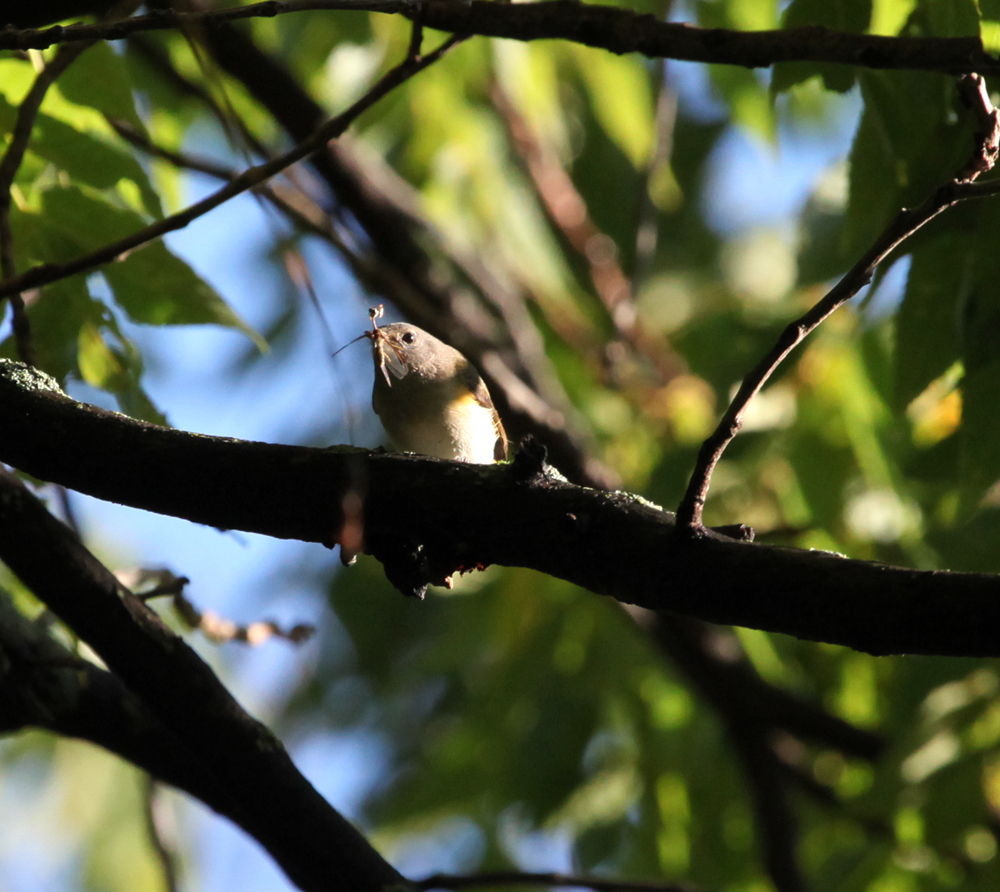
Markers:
point(316, 846)
point(44, 685)
point(603, 27)
point(425, 519)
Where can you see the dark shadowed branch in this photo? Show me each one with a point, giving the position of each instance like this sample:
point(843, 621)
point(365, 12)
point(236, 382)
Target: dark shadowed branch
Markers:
point(45, 274)
point(603, 27)
point(426, 519)
point(972, 90)
point(244, 769)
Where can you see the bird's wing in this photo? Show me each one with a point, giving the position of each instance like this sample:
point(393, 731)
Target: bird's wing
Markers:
point(482, 396)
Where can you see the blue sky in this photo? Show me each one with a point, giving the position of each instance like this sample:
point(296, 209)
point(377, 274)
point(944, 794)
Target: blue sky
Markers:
point(299, 396)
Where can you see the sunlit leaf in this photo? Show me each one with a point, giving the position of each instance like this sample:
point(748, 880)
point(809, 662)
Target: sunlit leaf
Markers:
point(620, 90)
point(84, 156)
point(151, 284)
point(927, 324)
point(98, 79)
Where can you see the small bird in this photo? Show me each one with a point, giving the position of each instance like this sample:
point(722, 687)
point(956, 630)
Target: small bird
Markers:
point(430, 398)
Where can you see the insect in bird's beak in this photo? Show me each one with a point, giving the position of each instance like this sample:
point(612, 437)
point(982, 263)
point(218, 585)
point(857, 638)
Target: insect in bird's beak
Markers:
point(388, 355)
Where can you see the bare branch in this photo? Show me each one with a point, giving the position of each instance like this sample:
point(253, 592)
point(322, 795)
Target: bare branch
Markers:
point(315, 845)
point(906, 223)
point(603, 27)
point(20, 136)
point(160, 839)
point(426, 519)
point(45, 274)
point(568, 213)
point(556, 880)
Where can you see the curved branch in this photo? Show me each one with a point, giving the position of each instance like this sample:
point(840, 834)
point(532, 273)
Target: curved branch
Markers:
point(47, 273)
point(972, 91)
point(44, 685)
point(254, 777)
point(603, 27)
point(27, 112)
point(426, 519)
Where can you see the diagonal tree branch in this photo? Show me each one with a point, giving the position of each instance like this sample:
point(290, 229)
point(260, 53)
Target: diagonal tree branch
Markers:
point(20, 136)
point(962, 187)
point(424, 276)
point(426, 519)
point(45, 685)
point(750, 732)
point(603, 27)
point(316, 846)
point(45, 274)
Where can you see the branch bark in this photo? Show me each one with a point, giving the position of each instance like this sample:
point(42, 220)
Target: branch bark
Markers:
point(962, 187)
point(263, 791)
point(603, 27)
point(46, 273)
point(425, 519)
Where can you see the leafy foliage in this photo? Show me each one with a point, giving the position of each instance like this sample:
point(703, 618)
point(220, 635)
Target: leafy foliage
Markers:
point(517, 705)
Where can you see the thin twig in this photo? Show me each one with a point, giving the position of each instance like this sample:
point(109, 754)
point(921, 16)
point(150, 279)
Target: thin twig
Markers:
point(159, 839)
point(305, 213)
point(20, 137)
point(647, 230)
point(233, 126)
point(519, 878)
point(298, 207)
point(908, 221)
point(171, 19)
point(45, 274)
point(596, 25)
point(567, 210)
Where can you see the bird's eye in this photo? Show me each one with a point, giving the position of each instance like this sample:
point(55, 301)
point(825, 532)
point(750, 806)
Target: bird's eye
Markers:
point(409, 337)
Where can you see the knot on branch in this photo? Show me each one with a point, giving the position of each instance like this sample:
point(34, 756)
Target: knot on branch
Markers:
point(530, 463)
point(411, 567)
point(974, 96)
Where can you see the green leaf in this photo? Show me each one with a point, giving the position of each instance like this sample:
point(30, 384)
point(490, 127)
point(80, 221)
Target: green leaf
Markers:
point(117, 370)
point(909, 141)
point(69, 331)
point(56, 316)
point(889, 16)
point(979, 458)
point(746, 15)
point(927, 324)
point(85, 156)
point(947, 18)
point(989, 26)
point(152, 285)
point(98, 79)
point(748, 100)
point(99, 366)
point(838, 15)
point(622, 97)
